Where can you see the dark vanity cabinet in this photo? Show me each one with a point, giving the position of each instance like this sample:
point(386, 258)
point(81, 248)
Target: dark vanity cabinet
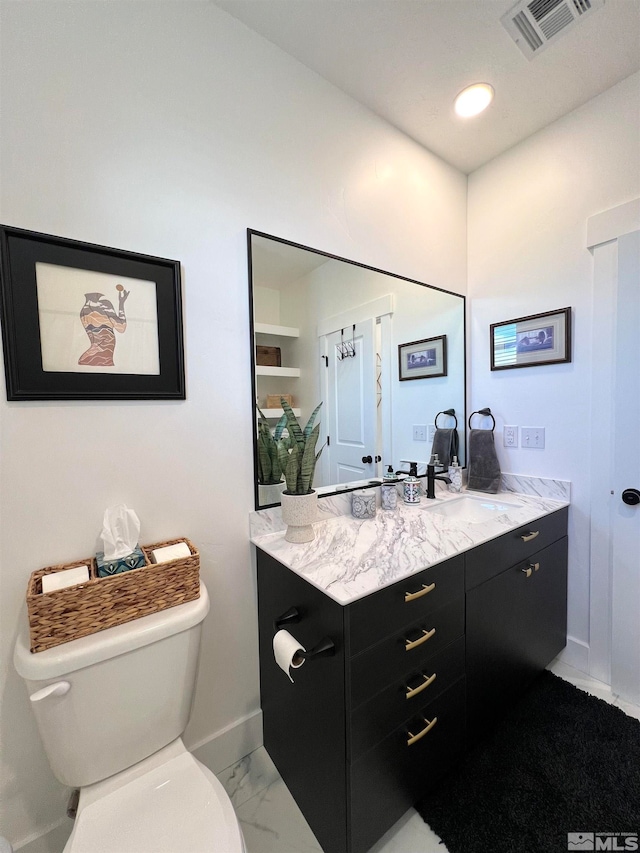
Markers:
point(361, 735)
point(516, 593)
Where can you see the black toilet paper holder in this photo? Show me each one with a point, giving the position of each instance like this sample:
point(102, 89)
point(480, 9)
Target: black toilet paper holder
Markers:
point(325, 648)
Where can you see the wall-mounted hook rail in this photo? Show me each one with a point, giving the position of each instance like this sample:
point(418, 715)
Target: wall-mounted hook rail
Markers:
point(347, 349)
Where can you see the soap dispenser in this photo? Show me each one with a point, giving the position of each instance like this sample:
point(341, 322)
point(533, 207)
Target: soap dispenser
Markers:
point(411, 485)
point(455, 475)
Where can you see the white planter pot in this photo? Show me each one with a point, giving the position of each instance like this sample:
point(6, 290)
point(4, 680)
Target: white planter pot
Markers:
point(298, 513)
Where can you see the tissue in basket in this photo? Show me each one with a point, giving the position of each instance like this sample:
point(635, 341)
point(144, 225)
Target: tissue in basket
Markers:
point(68, 614)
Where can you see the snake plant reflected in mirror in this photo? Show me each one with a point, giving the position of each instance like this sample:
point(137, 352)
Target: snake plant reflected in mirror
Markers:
point(330, 329)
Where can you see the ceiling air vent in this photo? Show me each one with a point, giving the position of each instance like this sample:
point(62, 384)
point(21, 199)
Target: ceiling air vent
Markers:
point(535, 24)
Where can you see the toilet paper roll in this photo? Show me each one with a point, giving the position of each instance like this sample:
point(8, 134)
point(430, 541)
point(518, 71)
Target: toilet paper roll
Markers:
point(286, 650)
point(170, 552)
point(68, 577)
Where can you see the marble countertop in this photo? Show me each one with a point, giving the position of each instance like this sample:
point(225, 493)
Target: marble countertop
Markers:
point(351, 558)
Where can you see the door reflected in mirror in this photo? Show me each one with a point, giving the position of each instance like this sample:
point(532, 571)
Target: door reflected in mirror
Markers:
point(329, 330)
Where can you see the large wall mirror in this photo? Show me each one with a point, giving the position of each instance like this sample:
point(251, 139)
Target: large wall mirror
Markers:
point(384, 354)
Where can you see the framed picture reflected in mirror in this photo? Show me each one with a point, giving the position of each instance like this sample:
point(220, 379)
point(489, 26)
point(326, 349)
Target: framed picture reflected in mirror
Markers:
point(423, 359)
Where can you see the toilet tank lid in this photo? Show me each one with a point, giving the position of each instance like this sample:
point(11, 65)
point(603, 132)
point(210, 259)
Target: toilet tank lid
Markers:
point(78, 654)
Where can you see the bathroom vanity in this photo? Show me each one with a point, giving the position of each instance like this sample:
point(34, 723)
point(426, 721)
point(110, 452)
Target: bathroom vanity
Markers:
point(438, 619)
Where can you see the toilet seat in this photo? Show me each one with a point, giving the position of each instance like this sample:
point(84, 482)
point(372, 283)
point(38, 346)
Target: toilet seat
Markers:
point(176, 807)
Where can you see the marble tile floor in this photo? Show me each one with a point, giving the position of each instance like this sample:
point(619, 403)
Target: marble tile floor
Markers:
point(272, 822)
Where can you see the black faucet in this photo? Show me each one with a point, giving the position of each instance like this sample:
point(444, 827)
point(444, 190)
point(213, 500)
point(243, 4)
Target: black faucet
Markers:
point(431, 480)
point(412, 472)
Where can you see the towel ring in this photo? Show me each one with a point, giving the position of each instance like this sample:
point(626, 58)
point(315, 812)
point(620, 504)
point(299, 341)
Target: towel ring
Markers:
point(487, 413)
point(451, 412)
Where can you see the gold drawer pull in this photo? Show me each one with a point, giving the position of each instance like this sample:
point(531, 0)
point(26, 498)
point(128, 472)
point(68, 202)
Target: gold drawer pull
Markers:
point(429, 726)
point(428, 679)
point(426, 635)
point(411, 596)
point(532, 567)
point(527, 537)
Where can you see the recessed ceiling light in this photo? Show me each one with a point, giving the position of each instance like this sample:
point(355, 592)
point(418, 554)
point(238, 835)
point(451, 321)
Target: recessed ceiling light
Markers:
point(474, 99)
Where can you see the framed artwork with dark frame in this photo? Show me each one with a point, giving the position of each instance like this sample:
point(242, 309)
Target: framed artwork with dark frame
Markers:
point(530, 341)
point(423, 359)
point(87, 322)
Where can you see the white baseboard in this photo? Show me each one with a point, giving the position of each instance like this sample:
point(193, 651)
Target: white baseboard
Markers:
point(52, 840)
point(228, 745)
point(576, 654)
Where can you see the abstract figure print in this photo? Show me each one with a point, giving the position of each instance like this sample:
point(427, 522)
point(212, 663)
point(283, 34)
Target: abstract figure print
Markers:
point(100, 321)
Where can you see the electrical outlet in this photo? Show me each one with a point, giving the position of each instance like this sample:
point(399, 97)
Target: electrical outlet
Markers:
point(432, 432)
point(510, 436)
point(533, 437)
point(420, 432)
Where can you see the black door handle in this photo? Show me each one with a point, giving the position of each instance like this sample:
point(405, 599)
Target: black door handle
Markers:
point(631, 497)
point(367, 460)
point(378, 458)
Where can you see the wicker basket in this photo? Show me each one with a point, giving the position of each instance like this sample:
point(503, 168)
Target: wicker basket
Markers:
point(68, 614)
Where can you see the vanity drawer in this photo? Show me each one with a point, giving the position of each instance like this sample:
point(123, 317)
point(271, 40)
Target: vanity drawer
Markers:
point(392, 776)
point(374, 719)
point(495, 556)
point(405, 651)
point(390, 609)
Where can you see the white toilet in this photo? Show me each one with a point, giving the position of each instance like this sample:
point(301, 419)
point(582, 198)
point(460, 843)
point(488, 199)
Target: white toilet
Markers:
point(110, 708)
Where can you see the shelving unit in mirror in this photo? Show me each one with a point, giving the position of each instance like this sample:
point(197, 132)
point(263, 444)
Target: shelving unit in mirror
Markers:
point(269, 334)
point(311, 309)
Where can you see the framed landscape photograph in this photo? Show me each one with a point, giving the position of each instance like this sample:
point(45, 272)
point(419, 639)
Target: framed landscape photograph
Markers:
point(87, 322)
point(533, 340)
point(423, 359)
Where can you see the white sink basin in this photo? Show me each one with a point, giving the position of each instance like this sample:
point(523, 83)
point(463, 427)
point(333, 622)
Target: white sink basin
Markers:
point(473, 509)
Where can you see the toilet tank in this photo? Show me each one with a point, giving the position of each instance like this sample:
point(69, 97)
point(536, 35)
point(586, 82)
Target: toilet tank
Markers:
point(130, 691)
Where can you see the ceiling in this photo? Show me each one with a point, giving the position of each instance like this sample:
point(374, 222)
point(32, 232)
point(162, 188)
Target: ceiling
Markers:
point(407, 59)
point(280, 264)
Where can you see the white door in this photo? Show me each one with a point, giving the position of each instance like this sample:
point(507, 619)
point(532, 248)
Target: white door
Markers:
point(351, 404)
point(625, 517)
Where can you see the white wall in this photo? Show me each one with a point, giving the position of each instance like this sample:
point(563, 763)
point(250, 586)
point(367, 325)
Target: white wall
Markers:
point(527, 254)
point(168, 129)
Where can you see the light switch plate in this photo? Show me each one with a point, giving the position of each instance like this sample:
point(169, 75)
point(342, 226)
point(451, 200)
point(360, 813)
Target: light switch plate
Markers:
point(432, 432)
point(533, 437)
point(420, 432)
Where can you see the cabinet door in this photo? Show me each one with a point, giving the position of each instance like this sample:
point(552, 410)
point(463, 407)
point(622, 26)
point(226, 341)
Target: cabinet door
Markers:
point(496, 555)
point(516, 624)
point(304, 721)
point(393, 775)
